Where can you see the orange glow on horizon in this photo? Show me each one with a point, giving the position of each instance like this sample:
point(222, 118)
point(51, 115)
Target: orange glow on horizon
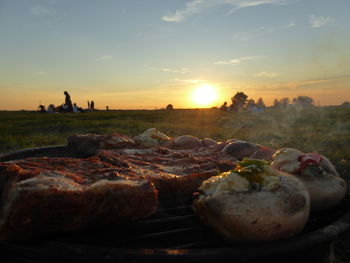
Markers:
point(181, 96)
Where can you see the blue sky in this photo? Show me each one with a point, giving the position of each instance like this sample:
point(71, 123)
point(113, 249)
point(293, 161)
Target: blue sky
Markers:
point(148, 53)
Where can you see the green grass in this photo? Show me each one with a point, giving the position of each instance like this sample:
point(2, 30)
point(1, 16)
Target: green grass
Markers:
point(322, 129)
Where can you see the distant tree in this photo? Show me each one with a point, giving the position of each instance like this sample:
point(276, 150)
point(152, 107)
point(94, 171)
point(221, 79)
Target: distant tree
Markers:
point(250, 104)
point(238, 101)
point(276, 103)
point(260, 103)
point(170, 107)
point(304, 101)
point(281, 103)
point(345, 104)
point(284, 102)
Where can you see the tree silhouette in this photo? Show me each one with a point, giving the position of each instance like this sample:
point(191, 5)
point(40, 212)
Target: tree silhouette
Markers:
point(345, 104)
point(304, 101)
point(276, 103)
point(284, 102)
point(238, 101)
point(260, 103)
point(281, 103)
point(250, 104)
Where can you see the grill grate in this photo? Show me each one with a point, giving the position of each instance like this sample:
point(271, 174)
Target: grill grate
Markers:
point(173, 228)
point(169, 228)
point(175, 234)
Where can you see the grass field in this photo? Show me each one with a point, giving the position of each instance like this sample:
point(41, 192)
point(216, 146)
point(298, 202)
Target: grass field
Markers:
point(322, 129)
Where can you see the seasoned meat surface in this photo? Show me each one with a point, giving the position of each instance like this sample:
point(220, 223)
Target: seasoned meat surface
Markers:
point(45, 195)
point(120, 179)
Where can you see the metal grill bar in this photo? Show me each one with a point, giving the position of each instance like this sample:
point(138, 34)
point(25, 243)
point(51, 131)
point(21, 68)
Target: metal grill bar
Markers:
point(165, 220)
point(166, 233)
point(189, 245)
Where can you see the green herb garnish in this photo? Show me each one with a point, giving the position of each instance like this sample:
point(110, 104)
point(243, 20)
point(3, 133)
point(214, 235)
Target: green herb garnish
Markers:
point(253, 170)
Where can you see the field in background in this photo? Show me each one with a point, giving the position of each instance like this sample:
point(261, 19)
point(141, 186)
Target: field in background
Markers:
point(322, 129)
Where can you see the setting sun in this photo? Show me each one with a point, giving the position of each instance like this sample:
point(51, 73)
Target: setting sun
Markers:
point(204, 95)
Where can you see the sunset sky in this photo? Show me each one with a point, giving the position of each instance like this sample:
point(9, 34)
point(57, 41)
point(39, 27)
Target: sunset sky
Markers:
point(145, 54)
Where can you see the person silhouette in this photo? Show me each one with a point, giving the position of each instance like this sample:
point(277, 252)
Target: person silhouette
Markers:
point(68, 102)
point(42, 108)
point(92, 105)
point(224, 106)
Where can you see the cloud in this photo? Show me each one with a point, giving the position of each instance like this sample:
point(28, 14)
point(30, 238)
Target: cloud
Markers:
point(197, 6)
point(189, 81)
point(243, 36)
point(181, 71)
point(319, 21)
point(298, 85)
point(238, 61)
point(290, 24)
point(192, 7)
point(266, 74)
point(104, 57)
point(244, 4)
point(41, 11)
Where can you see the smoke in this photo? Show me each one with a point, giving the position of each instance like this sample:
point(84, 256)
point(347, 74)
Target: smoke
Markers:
point(314, 129)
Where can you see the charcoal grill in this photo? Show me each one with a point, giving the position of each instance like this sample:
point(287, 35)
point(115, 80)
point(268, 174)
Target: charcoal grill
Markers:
point(173, 234)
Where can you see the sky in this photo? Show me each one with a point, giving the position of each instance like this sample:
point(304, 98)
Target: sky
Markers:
point(146, 54)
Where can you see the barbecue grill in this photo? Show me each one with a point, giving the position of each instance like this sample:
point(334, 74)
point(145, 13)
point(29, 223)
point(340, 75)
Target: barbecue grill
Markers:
point(173, 234)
